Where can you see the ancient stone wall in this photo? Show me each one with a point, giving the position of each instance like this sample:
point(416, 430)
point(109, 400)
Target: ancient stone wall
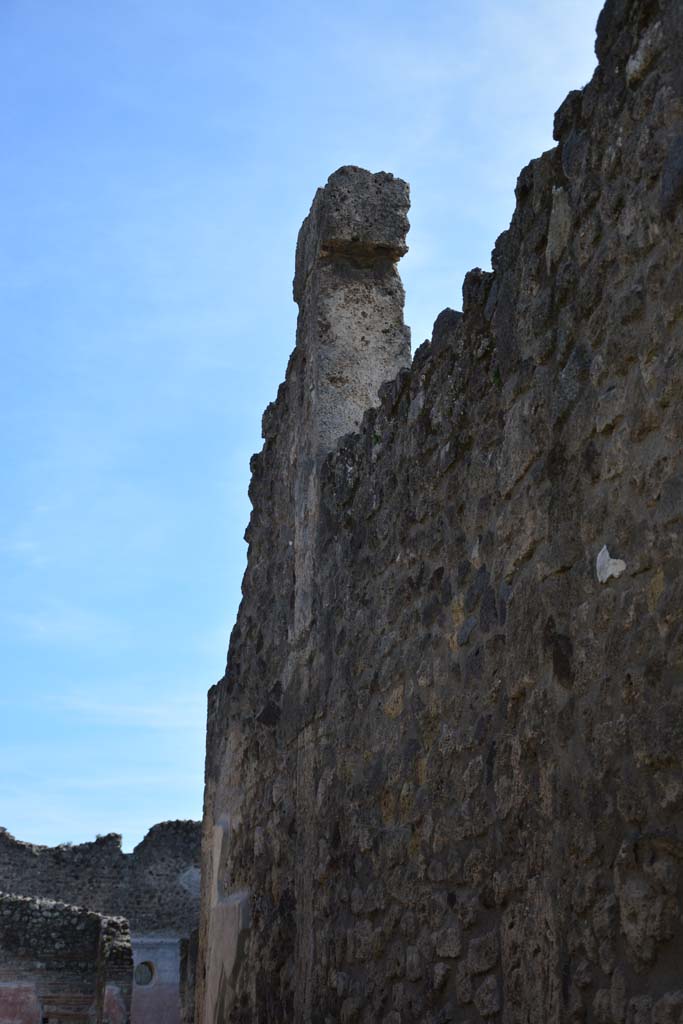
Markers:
point(443, 776)
point(60, 963)
point(156, 888)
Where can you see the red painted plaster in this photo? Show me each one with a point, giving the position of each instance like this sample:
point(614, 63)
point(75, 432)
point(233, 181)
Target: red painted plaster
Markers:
point(19, 1004)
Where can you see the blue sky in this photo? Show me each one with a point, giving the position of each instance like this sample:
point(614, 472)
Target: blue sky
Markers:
point(158, 159)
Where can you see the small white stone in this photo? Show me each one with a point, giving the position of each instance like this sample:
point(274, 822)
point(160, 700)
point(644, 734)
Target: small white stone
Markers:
point(605, 566)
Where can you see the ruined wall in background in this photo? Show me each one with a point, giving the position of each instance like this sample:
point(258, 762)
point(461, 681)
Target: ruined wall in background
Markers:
point(60, 963)
point(156, 888)
point(451, 788)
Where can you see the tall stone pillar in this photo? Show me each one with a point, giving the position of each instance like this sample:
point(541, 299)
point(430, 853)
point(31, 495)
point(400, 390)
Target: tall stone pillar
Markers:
point(258, 900)
point(351, 339)
point(350, 332)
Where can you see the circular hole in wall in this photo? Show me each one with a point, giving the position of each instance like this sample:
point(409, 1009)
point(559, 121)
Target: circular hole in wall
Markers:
point(144, 973)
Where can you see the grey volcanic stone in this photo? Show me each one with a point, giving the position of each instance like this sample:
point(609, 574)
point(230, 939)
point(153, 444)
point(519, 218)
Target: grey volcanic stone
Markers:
point(672, 179)
point(359, 215)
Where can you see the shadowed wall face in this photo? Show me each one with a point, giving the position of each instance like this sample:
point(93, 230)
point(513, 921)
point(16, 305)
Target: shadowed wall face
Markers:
point(443, 769)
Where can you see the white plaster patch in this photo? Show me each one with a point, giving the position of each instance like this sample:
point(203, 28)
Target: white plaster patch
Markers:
point(605, 566)
point(190, 880)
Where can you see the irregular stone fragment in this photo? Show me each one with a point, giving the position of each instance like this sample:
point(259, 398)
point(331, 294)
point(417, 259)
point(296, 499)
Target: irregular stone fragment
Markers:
point(447, 328)
point(393, 704)
point(647, 913)
point(669, 1009)
point(483, 953)
point(648, 48)
point(639, 1010)
point(607, 567)
point(413, 964)
point(466, 630)
point(672, 179)
point(350, 1010)
point(559, 227)
point(602, 1006)
point(521, 442)
point(449, 942)
point(441, 972)
point(618, 996)
point(487, 997)
point(463, 984)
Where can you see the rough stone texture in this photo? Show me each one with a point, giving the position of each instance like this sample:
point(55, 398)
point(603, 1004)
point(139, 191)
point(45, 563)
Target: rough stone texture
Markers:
point(60, 963)
point(350, 338)
point(443, 777)
point(156, 888)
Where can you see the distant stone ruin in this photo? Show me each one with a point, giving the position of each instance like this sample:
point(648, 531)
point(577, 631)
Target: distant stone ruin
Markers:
point(60, 963)
point(120, 944)
point(444, 768)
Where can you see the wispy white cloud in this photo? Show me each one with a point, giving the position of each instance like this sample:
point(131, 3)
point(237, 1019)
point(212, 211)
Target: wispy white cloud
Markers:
point(169, 713)
point(61, 624)
point(29, 552)
point(121, 781)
